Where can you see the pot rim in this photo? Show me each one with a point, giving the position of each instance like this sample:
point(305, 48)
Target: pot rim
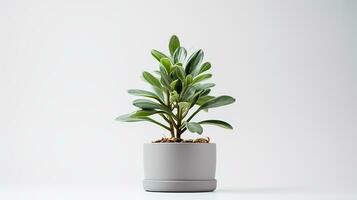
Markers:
point(173, 143)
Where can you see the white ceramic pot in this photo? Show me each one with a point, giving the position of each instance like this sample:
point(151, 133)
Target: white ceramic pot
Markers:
point(179, 167)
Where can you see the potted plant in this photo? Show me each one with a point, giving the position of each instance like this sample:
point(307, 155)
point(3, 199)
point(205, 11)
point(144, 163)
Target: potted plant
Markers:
point(174, 164)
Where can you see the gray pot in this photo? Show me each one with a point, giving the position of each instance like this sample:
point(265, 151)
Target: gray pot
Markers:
point(179, 167)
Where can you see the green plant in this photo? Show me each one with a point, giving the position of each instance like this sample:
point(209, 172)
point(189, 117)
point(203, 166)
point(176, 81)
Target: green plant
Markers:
point(178, 88)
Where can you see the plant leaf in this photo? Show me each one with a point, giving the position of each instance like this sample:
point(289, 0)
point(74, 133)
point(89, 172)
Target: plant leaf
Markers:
point(188, 80)
point(188, 93)
point(217, 123)
point(158, 55)
point(204, 67)
point(152, 79)
point(194, 127)
point(174, 96)
point(166, 62)
point(203, 100)
point(130, 118)
point(205, 92)
point(174, 44)
point(159, 93)
point(178, 86)
point(143, 93)
point(145, 113)
point(165, 79)
point(126, 118)
point(193, 61)
point(204, 86)
point(180, 72)
point(150, 105)
point(180, 55)
point(173, 84)
point(201, 78)
point(146, 104)
point(184, 106)
point(217, 102)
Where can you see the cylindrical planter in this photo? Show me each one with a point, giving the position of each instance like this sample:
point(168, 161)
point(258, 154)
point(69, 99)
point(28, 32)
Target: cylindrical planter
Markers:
point(179, 167)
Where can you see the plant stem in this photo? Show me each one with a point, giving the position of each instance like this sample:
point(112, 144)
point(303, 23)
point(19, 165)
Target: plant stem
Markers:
point(179, 121)
point(158, 123)
point(171, 120)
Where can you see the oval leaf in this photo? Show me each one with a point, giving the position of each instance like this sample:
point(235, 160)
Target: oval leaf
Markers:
point(130, 118)
point(217, 102)
point(150, 105)
point(158, 55)
point(145, 113)
point(180, 55)
point(193, 61)
point(151, 79)
point(167, 64)
point(144, 93)
point(203, 100)
point(178, 86)
point(217, 123)
point(174, 44)
point(180, 72)
point(205, 66)
point(194, 127)
point(146, 104)
point(204, 86)
point(201, 78)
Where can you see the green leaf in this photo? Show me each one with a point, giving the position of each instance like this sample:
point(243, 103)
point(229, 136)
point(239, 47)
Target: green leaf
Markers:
point(180, 72)
point(159, 93)
point(204, 67)
point(178, 86)
point(173, 84)
point(188, 80)
point(174, 96)
point(217, 123)
point(194, 127)
point(180, 55)
point(130, 118)
point(150, 105)
point(158, 55)
point(165, 82)
point(204, 99)
point(166, 62)
point(194, 99)
point(201, 78)
point(146, 104)
point(152, 79)
point(204, 86)
point(165, 79)
point(126, 118)
point(143, 93)
point(174, 44)
point(205, 92)
point(184, 106)
point(193, 61)
point(145, 113)
point(188, 93)
point(217, 102)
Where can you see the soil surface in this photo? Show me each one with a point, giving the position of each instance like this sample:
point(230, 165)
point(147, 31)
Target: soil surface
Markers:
point(177, 140)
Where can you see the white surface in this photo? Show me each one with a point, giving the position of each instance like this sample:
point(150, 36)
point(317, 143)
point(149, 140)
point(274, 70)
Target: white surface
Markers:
point(221, 194)
point(65, 67)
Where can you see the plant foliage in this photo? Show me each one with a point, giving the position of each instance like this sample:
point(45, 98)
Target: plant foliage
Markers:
point(179, 92)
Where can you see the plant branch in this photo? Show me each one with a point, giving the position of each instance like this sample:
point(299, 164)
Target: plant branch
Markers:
point(156, 122)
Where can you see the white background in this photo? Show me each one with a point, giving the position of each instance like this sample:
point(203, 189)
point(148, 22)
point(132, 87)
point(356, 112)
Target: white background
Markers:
point(65, 67)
